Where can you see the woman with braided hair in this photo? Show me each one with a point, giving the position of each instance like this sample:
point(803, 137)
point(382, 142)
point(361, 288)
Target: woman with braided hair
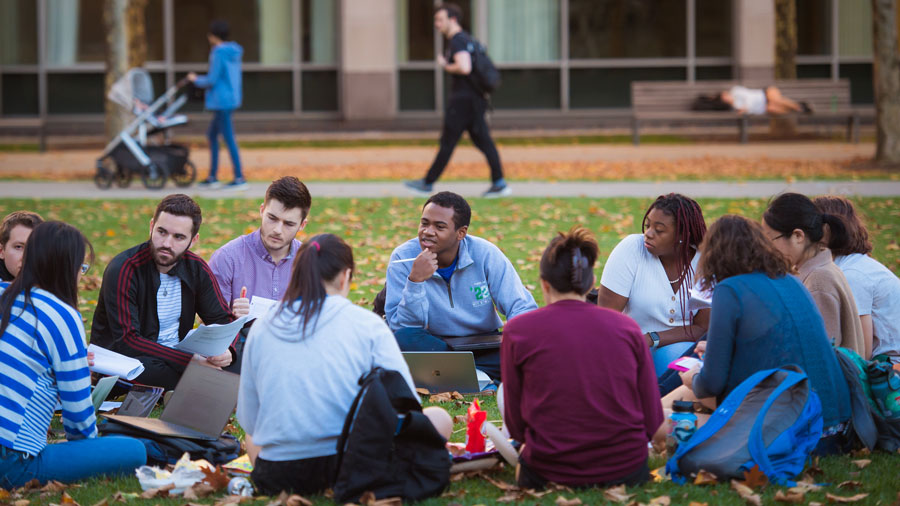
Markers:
point(649, 276)
point(579, 387)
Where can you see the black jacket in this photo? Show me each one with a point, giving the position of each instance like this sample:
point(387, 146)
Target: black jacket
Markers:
point(126, 318)
point(5, 275)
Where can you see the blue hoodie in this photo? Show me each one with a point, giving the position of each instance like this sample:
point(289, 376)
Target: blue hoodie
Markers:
point(484, 277)
point(224, 78)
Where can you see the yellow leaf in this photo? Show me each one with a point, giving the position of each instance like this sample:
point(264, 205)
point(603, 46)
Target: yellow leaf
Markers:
point(861, 463)
point(705, 478)
point(110, 232)
point(746, 493)
point(842, 499)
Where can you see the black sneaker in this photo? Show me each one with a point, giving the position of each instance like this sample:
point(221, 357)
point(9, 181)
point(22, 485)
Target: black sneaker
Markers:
point(237, 184)
point(497, 191)
point(209, 184)
point(419, 187)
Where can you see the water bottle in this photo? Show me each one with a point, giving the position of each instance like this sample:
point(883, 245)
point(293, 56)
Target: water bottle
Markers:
point(682, 425)
point(240, 486)
point(885, 383)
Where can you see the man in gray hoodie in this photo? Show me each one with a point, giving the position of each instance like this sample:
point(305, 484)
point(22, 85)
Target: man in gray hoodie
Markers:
point(446, 283)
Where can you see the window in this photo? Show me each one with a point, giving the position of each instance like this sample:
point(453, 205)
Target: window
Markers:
point(528, 89)
point(415, 28)
point(416, 89)
point(627, 28)
point(319, 90)
point(855, 28)
point(813, 27)
point(318, 31)
point(262, 28)
point(18, 32)
point(267, 91)
point(597, 88)
point(713, 25)
point(75, 93)
point(75, 32)
point(523, 31)
point(20, 94)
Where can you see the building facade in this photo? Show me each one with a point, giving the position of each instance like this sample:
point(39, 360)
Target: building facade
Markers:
point(324, 64)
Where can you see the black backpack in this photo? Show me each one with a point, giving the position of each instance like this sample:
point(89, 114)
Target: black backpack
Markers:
point(163, 450)
point(485, 76)
point(388, 447)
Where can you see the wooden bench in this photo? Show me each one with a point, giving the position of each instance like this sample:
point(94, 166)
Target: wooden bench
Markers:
point(670, 101)
point(27, 123)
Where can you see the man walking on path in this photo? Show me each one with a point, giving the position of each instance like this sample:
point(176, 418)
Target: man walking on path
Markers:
point(223, 96)
point(466, 107)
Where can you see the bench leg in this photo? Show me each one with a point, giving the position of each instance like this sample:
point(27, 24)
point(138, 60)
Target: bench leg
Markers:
point(42, 137)
point(744, 127)
point(635, 132)
point(853, 129)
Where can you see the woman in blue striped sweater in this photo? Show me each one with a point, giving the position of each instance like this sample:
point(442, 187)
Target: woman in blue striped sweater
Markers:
point(43, 358)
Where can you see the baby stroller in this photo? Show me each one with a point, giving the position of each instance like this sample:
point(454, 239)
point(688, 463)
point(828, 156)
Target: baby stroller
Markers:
point(129, 153)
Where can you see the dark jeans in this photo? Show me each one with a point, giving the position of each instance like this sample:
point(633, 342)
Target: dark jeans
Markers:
point(159, 373)
point(465, 112)
point(412, 339)
point(304, 476)
point(528, 478)
point(221, 125)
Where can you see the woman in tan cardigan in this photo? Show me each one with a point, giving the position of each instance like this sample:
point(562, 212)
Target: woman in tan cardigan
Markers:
point(798, 230)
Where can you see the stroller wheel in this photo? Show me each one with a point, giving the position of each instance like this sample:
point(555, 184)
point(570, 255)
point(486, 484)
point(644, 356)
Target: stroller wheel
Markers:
point(124, 176)
point(154, 177)
point(186, 176)
point(103, 180)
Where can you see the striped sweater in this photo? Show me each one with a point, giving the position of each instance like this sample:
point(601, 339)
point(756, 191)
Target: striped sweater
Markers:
point(43, 357)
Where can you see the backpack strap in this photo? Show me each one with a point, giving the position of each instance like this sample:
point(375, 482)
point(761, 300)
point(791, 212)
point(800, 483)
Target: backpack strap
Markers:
point(755, 443)
point(719, 418)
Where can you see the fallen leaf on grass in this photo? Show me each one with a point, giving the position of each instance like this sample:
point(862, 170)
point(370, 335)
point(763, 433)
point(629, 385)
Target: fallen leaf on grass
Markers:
point(458, 493)
point(422, 391)
point(162, 491)
point(562, 501)
point(446, 397)
point(843, 499)
point(502, 485)
point(746, 493)
point(617, 494)
point(705, 478)
point(861, 463)
point(216, 478)
point(21, 502)
point(755, 478)
point(662, 500)
point(850, 485)
point(509, 497)
point(459, 419)
point(793, 497)
point(67, 499)
point(198, 490)
point(104, 502)
point(232, 499)
point(695, 503)
point(805, 486)
point(53, 486)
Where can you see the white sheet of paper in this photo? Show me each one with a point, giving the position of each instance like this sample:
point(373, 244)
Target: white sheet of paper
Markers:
point(211, 340)
point(110, 363)
point(483, 379)
point(102, 389)
point(259, 306)
point(688, 363)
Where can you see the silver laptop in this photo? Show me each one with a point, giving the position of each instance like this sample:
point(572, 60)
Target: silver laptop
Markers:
point(443, 371)
point(199, 409)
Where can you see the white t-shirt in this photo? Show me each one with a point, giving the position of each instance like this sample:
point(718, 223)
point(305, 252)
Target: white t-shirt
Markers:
point(877, 293)
point(751, 100)
point(168, 309)
point(632, 271)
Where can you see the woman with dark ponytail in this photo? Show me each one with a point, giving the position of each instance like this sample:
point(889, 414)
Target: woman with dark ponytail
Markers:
point(43, 357)
point(806, 236)
point(579, 385)
point(301, 365)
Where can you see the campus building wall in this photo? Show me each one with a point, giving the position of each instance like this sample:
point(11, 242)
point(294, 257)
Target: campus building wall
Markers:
point(332, 64)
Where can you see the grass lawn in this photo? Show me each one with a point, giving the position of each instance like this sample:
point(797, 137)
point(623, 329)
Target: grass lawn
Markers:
point(521, 227)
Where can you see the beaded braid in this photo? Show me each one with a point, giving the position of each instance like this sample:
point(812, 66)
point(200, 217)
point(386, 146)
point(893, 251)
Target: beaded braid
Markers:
point(690, 227)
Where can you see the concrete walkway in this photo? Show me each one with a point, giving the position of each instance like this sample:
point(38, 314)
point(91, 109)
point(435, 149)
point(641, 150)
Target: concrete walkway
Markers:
point(755, 189)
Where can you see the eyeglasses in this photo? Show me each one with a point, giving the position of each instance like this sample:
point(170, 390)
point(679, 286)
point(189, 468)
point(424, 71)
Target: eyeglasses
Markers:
point(84, 268)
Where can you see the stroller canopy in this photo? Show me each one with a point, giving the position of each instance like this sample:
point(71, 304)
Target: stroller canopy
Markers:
point(134, 85)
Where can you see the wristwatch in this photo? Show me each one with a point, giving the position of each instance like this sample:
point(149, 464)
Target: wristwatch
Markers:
point(654, 338)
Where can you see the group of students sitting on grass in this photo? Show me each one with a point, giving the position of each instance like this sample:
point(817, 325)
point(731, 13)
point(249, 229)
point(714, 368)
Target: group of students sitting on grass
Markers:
point(580, 385)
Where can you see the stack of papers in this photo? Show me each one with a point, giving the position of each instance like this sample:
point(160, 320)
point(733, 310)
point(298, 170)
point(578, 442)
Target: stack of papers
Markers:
point(211, 340)
point(110, 363)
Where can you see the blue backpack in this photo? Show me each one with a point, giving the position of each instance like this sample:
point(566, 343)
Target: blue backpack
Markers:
point(772, 420)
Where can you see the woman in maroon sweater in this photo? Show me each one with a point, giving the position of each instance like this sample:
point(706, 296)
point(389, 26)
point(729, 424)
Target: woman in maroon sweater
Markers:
point(579, 385)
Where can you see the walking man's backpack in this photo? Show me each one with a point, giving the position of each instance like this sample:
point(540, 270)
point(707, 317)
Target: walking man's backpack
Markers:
point(388, 447)
point(772, 420)
point(485, 75)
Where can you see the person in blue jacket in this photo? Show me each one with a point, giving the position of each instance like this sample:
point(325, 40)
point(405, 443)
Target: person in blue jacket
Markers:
point(447, 283)
point(223, 96)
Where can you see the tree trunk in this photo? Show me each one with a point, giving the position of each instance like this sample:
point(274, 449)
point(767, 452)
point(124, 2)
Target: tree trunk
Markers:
point(785, 58)
point(126, 48)
point(886, 80)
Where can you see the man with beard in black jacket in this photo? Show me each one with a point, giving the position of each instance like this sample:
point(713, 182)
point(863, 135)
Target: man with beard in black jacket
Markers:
point(151, 292)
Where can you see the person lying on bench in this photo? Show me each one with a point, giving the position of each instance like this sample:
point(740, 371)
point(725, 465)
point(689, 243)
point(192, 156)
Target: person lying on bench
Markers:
point(759, 102)
point(445, 283)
